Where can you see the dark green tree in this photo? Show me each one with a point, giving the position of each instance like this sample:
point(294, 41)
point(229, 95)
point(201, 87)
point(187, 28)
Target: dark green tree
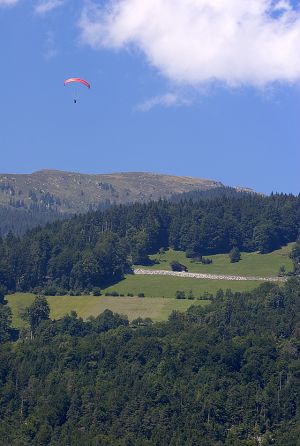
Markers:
point(235, 255)
point(37, 312)
point(108, 320)
point(5, 323)
point(140, 247)
point(2, 295)
point(295, 256)
point(266, 237)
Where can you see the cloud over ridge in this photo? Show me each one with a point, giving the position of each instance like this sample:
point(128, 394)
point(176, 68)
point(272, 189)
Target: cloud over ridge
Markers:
point(236, 42)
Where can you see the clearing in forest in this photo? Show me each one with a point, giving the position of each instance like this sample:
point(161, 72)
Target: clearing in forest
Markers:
point(251, 264)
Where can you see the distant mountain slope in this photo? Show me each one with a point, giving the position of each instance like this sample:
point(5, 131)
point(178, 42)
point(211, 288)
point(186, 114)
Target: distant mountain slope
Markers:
point(77, 192)
point(56, 193)
point(211, 194)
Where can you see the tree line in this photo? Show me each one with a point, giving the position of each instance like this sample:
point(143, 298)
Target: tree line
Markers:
point(100, 247)
point(296, 256)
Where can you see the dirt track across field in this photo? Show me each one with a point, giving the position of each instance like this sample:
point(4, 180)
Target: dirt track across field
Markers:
point(158, 272)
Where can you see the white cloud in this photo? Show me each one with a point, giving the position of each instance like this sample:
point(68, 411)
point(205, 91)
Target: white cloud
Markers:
point(8, 3)
point(193, 42)
point(282, 5)
point(165, 100)
point(51, 50)
point(45, 6)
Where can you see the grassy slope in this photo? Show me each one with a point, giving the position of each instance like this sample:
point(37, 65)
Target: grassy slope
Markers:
point(166, 286)
point(158, 309)
point(251, 264)
point(161, 287)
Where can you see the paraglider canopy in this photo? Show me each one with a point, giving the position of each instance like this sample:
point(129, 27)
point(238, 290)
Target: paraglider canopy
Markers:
point(77, 79)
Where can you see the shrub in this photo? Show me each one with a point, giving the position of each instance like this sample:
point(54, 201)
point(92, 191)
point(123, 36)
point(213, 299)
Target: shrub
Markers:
point(96, 291)
point(141, 295)
point(220, 295)
point(206, 296)
point(140, 321)
point(112, 293)
point(206, 261)
point(282, 271)
point(176, 266)
point(180, 294)
point(75, 293)
point(198, 259)
point(190, 295)
point(50, 290)
point(61, 291)
point(191, 254)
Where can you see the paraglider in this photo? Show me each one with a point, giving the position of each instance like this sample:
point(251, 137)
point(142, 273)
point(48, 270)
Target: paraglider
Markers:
point(77, 80)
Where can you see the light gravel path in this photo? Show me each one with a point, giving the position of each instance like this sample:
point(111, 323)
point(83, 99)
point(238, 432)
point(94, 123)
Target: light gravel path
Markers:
point(159, 272)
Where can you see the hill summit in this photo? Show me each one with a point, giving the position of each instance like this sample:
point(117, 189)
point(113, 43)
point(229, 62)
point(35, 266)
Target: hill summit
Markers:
point(70, 192)
point(29, 200)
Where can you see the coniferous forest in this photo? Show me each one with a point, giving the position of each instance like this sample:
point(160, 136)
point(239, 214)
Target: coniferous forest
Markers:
point(18, 218)
point(97, 248)
point(227, 374)
point(223, 374)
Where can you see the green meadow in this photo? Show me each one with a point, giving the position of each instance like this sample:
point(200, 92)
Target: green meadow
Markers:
point(160, 291)
point(166, 286)
point(251, 264)
point(157, 309)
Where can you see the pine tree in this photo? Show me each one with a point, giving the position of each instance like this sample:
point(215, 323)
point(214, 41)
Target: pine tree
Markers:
point(235, 255)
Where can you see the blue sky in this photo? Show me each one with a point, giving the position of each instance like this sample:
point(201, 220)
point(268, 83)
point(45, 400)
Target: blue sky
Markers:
point(153, 106)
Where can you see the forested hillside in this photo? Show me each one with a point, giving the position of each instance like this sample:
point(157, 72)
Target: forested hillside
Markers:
point(97, 248)
point(18, 220)
point(27, 200)
point(227, 374)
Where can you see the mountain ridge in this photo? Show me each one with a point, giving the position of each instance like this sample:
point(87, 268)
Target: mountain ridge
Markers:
point(80, 192)
point(29, 199)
